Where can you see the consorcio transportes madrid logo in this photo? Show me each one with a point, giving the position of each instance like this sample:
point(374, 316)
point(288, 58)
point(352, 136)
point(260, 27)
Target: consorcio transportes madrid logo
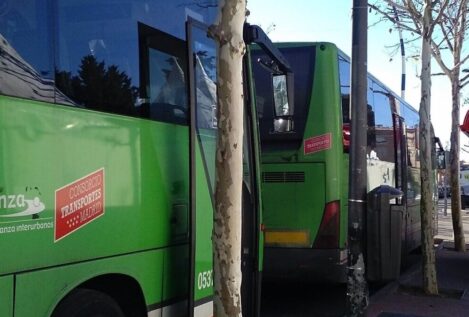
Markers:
point(21, 205)
point(79, 203)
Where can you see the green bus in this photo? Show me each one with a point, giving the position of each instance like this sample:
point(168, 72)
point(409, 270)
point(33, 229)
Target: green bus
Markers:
point(305, 165)
point(107, 165)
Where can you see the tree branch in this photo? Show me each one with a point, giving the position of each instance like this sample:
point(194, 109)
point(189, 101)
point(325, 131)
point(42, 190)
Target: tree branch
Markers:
point(392, 19)
point(462, 12)
point(437, 55)
point(446, 37)
point(414, 13)
point(461, 62)
point(464, 81)
point(442, 10)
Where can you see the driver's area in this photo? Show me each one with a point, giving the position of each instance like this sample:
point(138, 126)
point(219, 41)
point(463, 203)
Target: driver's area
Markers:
point(163, 78)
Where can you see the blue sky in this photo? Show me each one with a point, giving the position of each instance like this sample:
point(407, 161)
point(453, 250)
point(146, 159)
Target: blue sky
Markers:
point(330, 21)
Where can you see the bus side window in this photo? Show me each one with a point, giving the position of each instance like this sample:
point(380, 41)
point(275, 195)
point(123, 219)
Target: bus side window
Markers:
point(344, 77)
point(345, 108)
point(166, 88)
point(163, 76)
point(27, 68)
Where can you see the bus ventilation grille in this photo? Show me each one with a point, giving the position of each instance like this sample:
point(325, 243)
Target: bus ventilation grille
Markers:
point(283, 177)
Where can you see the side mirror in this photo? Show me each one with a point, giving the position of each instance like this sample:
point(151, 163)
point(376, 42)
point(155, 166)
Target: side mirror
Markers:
point(279, 84)
point(283, 103)
point(282, 80)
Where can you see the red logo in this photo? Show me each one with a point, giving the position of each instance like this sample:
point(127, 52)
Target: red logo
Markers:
point(318, 143)
point(79, 203)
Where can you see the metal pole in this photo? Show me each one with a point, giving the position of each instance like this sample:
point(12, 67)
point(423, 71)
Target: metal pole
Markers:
point(401, 41)
point(357, 289)
point(445, 193)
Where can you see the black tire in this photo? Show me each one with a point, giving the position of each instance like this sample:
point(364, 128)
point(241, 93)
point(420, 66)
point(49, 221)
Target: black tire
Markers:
point(88, 303)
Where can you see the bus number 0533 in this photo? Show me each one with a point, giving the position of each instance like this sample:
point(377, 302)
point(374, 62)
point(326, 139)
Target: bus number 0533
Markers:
point(205, 279)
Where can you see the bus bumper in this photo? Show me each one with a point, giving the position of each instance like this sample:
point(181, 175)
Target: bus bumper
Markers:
point(328, 265)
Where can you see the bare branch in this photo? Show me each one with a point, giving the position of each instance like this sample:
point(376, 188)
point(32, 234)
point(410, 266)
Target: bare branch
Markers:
point(392, 19)
point(415, 14)
point(397, 5)
point(450, 20)
point(464, 81)
point(462, 14)
point(446, 37)
point(396, 47)
point(438, 18)
point(382, 12)
point(437, 55)
point(440, 44)
point(462, 61)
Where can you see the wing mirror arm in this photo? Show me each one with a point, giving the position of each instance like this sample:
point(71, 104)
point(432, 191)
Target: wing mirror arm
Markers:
point(283, 121)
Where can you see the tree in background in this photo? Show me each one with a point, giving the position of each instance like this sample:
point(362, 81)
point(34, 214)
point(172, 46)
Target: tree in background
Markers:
point(420, 18)
point(447, 42)
point(454, 28)
point(98, 87)
point(228, 33)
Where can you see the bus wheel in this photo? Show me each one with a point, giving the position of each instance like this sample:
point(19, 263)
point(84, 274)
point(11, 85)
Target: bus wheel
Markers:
point(87, 303)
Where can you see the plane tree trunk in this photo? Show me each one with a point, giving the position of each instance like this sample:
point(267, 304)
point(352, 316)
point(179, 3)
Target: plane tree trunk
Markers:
point(430, 285)
point(228, 33)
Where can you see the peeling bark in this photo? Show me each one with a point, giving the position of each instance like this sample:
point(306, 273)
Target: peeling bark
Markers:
point(226, 238)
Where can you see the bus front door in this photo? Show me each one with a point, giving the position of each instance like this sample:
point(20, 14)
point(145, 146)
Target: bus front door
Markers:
point(203, 137)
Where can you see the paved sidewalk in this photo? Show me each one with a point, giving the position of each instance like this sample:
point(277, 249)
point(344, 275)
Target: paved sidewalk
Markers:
point(444, 225)
point(404, 298)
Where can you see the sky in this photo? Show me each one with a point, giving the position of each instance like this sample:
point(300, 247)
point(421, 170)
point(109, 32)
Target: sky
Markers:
point(331, 21)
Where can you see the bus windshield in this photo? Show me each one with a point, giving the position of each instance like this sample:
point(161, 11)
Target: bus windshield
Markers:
point(301, 60)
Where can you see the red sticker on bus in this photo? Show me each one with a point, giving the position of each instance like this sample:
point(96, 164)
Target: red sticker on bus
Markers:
point(318, 143)
point(79, 203)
